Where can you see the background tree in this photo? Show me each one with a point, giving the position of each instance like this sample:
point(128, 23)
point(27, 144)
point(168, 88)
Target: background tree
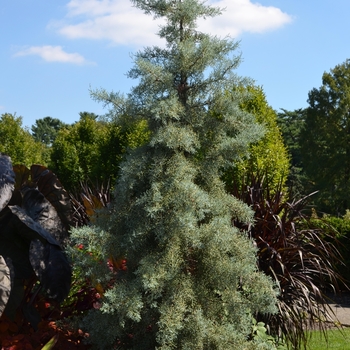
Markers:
point(75, 152)
point(191, 280)
point(291, 124)
point(325, 140)
point(18, 143)
point(122, 134)
point(268, 157)
point(92, 148)
point(45, 130)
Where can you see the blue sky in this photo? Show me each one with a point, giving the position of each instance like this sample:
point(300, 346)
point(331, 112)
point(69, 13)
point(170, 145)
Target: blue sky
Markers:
point(53, 52)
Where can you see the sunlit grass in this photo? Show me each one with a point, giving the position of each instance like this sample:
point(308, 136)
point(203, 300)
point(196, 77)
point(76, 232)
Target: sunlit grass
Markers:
point(338, 339)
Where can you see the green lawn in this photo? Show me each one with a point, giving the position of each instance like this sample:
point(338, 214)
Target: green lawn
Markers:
point(337, 340)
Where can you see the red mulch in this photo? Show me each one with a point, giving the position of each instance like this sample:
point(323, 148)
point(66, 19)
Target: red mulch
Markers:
point(21, 336)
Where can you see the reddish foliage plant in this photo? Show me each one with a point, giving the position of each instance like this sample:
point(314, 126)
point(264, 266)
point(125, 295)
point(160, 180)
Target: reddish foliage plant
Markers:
point(298, 257)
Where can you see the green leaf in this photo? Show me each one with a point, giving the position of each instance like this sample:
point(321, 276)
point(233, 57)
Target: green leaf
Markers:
point(51, 343)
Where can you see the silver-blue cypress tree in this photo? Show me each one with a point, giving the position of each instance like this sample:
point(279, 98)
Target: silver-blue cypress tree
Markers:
point(192, 280)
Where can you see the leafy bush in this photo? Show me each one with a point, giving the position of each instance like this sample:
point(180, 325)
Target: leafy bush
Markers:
point(340, 227)
point(79, 150)
point(18, 143)
point(300, 257)
point(261, 336)
point(267, 156)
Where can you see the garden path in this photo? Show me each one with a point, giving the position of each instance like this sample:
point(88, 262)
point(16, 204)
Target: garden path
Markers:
point(341, 307)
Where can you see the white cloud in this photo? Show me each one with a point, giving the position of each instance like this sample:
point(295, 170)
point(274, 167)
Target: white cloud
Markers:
point(52, 54)
point(117, 21)
point(113, 20)
point(244, 16)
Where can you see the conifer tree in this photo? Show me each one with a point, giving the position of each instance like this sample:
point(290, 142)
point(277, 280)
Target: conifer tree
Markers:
point(192, 280)
point(268, 158)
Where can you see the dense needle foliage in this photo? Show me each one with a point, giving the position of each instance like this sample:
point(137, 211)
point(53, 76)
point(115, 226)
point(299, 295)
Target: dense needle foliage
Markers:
point(191, 280)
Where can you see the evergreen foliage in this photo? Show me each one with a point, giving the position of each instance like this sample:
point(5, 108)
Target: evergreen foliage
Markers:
point(192, 280)
point(45, 130)
point(267, 157)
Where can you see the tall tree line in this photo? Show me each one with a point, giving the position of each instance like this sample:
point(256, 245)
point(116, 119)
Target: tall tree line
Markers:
point(318, 138)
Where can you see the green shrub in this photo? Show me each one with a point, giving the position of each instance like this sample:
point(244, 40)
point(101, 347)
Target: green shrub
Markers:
point(267, 157)
point(80, 149)
point(338, 228)
point(18, 143)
